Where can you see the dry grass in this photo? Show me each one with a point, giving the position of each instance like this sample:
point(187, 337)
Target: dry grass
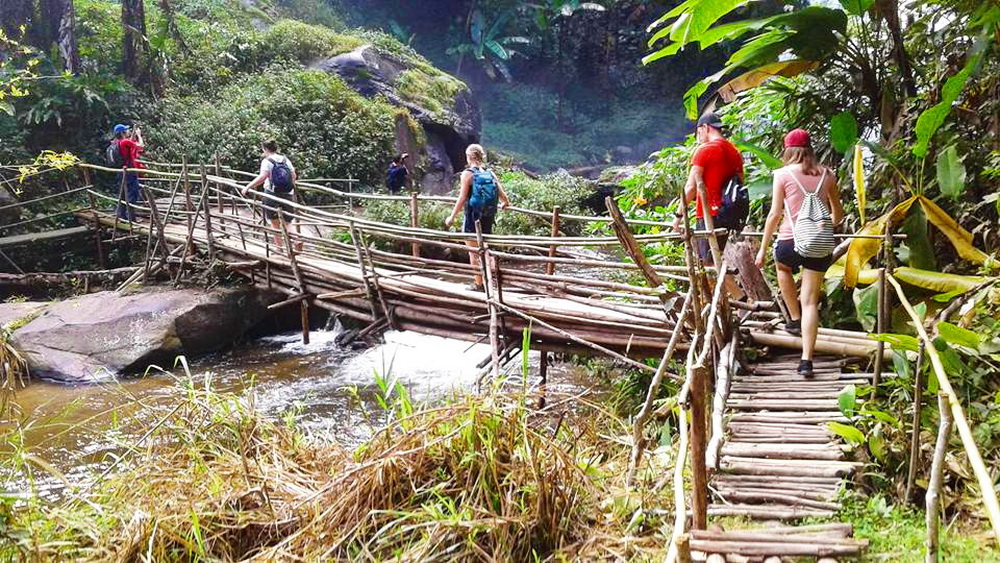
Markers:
point(480, 479)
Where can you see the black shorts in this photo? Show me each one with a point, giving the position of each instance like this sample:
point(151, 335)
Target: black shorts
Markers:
point(271, 206)
point(485, 218)
point(704, 246)
point(784, 253)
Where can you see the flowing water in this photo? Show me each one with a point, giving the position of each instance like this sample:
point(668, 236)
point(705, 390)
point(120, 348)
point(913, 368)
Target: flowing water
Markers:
point(76, 429)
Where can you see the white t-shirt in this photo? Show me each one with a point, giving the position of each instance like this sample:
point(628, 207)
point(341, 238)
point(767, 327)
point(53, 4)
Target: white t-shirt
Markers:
point(267, 165)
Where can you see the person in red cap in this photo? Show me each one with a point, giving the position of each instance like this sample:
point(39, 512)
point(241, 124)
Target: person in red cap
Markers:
point(715, 162)
point(805, 201)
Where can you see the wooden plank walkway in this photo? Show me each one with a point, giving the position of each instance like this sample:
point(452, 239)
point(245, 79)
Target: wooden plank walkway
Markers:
point(780, 462)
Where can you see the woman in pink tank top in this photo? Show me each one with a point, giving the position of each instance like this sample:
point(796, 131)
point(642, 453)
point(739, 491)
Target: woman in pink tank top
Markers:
point(801, 175)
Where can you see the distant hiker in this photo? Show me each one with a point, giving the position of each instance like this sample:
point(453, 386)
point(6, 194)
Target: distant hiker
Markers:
point(479, 194)
point(805, 199)
point(719, 166)
point(398, 174)
point(123, 152)
point(278, 176)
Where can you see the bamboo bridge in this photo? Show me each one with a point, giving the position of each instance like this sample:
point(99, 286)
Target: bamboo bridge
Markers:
point(755, 431)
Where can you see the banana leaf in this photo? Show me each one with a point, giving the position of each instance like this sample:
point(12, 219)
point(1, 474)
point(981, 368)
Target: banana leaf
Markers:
point(951, 284)
point(862, 250)
point(859, 183)
point(959, 237)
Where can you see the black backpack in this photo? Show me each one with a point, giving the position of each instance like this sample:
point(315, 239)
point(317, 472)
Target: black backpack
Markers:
point(735, 206)
point(113, 155)
point(395, 178)
point(281, 176)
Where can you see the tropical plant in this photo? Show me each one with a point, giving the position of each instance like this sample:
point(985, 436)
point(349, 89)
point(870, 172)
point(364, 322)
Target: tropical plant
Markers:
point(489, 44)
point(17, 66)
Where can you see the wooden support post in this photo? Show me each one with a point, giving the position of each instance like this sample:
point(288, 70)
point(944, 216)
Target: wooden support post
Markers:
point(207, 208)
point(97, 227)
point(543, 376)
point(550, 268)
point(883, 309)
point(415, 223)
point(933, 498)
point(918, 400)
point(155, 225)
point(491, 289)
point(684, 549)
point(713, 241)
point(189, 246)
point(369, 294)
point(699, 441)
point(218, 174)
point(297, 272)
point(118, 207)
point(304, 306)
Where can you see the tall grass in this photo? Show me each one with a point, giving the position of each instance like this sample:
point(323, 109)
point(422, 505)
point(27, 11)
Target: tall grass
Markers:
point(478, 478)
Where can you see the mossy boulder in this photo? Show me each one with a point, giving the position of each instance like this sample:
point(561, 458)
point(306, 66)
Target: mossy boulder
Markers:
point(441, 105)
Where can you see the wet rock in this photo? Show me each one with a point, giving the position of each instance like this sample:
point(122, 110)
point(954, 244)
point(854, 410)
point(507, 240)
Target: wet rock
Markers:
point(100, 336)
point(16, 314)
point(441, 106)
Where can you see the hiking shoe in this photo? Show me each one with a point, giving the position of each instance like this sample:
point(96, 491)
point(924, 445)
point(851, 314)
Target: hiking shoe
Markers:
point(474, 287)
point(806, 368)
point(794, 327)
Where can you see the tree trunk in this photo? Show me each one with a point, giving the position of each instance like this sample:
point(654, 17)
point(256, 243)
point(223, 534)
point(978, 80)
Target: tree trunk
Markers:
point(14, 14)
point(171, 22)
point(66, 35)
point(134, 40)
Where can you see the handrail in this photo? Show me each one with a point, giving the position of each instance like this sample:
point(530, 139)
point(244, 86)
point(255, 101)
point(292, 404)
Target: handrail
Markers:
point(986, 485)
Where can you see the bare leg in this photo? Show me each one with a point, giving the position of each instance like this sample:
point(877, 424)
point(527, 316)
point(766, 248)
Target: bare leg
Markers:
point(474, 260)
point(812, 284)
point(789, 293)
point(276, 225)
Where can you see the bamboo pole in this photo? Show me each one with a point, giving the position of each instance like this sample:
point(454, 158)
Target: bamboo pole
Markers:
point(492, 298)
point(639, 424)
point(933, 498)
point(304, 304)
point(674, 552)
point(986, 486)
point(414, 222)
point(370, 295)
point(550, 267)
point(918, 400)
point(207, 209)
point(713, 242)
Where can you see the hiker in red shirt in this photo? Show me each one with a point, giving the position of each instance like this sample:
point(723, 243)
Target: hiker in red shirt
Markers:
point(714, 163)
point(124, 153)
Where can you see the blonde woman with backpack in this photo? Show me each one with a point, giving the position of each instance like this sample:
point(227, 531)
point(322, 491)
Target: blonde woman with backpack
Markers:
point(805, 202)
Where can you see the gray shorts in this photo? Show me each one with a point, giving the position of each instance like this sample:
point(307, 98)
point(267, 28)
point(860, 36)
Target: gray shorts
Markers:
point(271, 206)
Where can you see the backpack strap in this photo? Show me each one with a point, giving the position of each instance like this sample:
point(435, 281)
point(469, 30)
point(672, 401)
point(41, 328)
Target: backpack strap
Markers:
point(819, 186)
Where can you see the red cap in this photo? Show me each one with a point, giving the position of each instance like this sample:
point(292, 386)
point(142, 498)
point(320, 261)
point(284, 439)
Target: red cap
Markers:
point(797, 138)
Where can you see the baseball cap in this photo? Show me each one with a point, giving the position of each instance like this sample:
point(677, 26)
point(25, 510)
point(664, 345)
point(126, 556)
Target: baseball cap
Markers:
point(710, 119)
point(797, 138)
point(120, 128)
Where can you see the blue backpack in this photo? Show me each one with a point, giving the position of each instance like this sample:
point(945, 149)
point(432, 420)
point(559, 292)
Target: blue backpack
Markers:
point(485, 191)
point(281, 176)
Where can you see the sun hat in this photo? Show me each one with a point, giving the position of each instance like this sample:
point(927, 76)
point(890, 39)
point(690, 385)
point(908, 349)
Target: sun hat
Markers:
point(797, 138)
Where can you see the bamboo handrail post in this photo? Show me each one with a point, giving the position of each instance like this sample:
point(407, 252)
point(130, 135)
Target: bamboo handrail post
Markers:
point(386, 310)
point(709, 220)
point(414, 222)
point(118, 206)
point(933, 498)
point(369, 294)
point(550, 268)
point(491, 291)
point(207, 209)
point(297, 272)
point(97, 229)
point(985, 480)
point(918, 399)
point(189, 247)
point(218, 172)
point(156, 226)
point(646, 411)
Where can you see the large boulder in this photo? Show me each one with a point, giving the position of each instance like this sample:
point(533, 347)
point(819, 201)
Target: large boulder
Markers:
point(100, 336)
point(442, 106)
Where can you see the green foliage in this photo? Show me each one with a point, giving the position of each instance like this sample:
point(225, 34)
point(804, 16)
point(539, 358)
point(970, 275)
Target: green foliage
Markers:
point(545, 193)
point(843, 132)
point(950, 173)
point(327, 129)
point(303, 43)
point(435, 91)
point(897, 532)
point(17, 66)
